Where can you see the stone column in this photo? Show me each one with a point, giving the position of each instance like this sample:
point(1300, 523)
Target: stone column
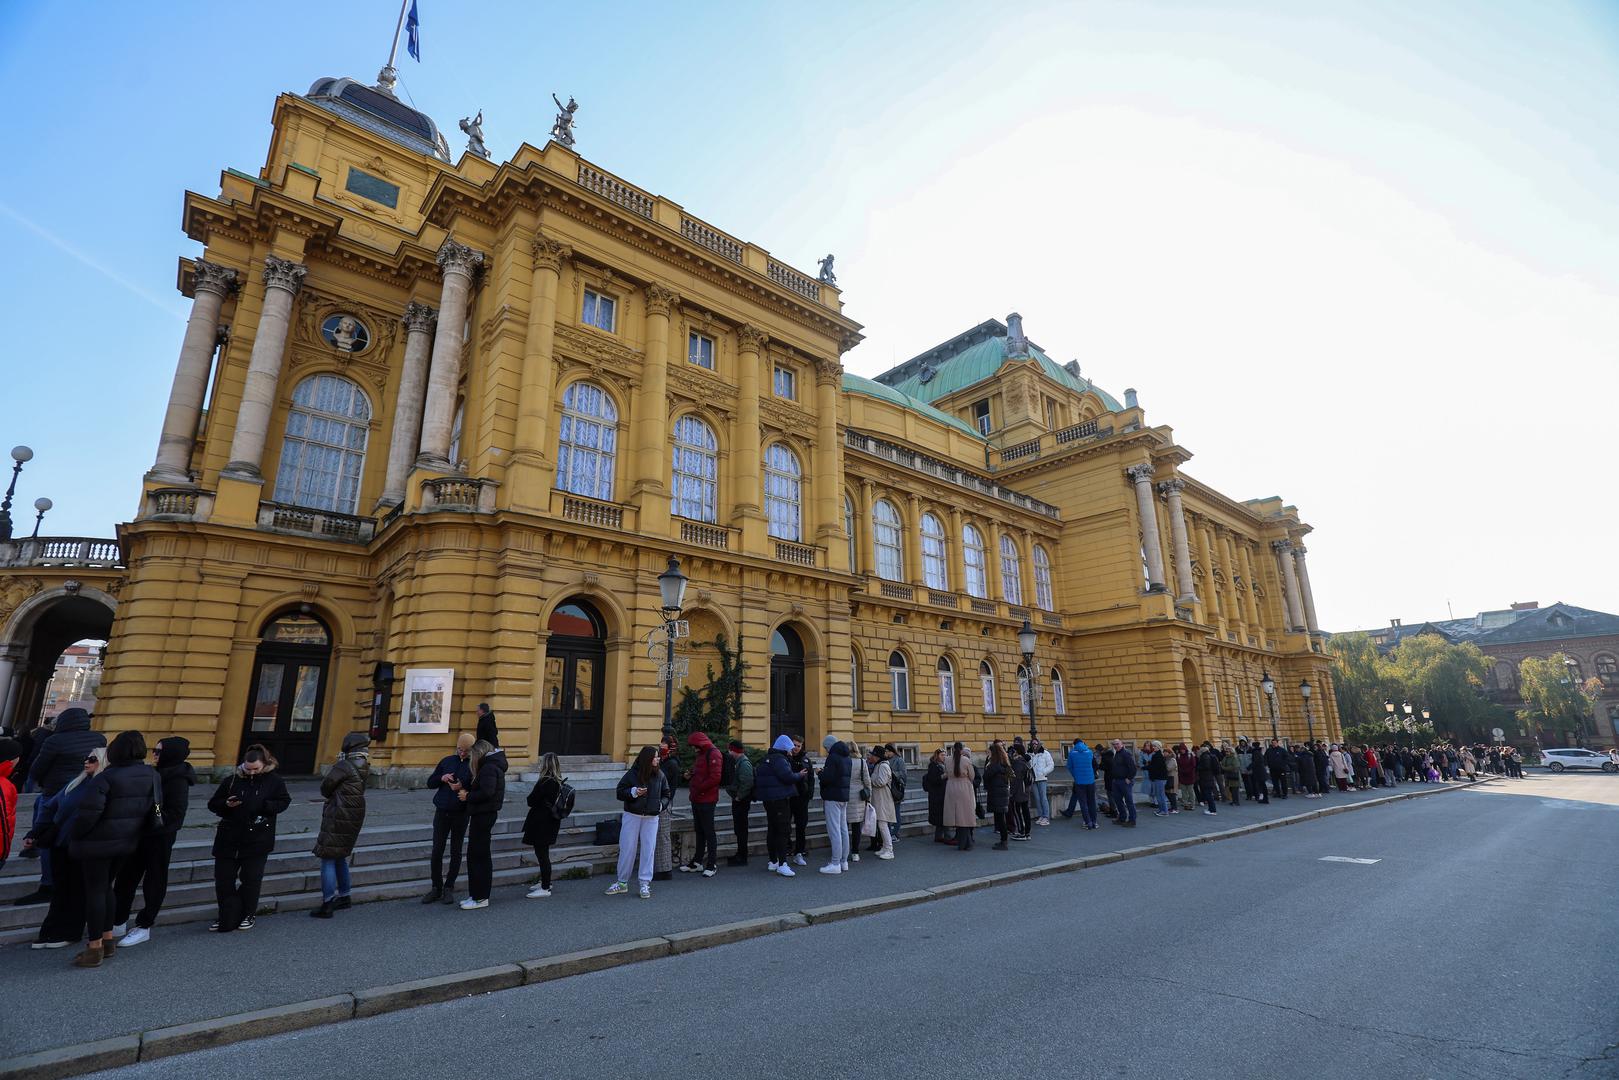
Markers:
point(457, 263)
point(403, 440)
point(749, 483)
point(913, 539)
point(863, 544)
point(1293, 609)
point(955, 560)
point(992, 569)
point(1141, 477)
point(281, 280)
point(1255, 620)
point(531, 473)
point(1210, 601)
point(1305, 593)
point(7, 667)
point(1172, 488)
point(652, 413)
point(212, 284)
point(1025, 544)
point(828, 504)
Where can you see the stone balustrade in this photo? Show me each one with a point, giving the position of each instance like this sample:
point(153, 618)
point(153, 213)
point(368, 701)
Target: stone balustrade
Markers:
point(327, 524)
point(615, 190)
point(705, 535)
point(178, 504)
point(466, 494)
point(941, 470)
point(85, 551)
point(788, 278)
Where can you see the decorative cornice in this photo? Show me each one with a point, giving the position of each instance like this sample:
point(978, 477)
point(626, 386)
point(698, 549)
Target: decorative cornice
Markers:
point(213, 278)
point(751, 338)
point(283, 273)
point(454, 258)
point(418, 317)
point(549, 254)
point(661, 300)
point(1139, 474)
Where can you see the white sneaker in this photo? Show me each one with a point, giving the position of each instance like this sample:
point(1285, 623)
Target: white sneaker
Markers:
point(1209, 812)
point(830, 868)
point(799, 860)
point(710, 872)
point(854, 856)
point(469, 904)
point(844, 868)
point(538, 893)
point(616, 888)
point(121, 929)
point(773, 867)
point(138, 936)
point(885, 854)
point(646, 892)
point(785, 871)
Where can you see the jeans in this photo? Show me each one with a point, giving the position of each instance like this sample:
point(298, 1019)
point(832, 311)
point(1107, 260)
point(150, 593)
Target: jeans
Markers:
point(739, 822)
point(1042, 800)
point(1159, 799)
point(837, 831)
point(334, 879)
point(451, 826)
point(637, 843)
point(702, 816)
point(238, 877)
point(1086, 794)
point(1124, 803)
point(480, 860)
point(778, 828)
point(149, 869)
point(98, 901)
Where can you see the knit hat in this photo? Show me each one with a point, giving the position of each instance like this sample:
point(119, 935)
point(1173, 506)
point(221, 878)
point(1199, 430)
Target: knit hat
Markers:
point(782, 743)
point(829, 742)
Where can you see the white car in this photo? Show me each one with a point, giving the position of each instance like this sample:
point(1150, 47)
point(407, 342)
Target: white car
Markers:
point(1575, 758)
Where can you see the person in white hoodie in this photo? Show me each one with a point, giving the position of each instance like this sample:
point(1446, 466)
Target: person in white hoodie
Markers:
point(1040, 760)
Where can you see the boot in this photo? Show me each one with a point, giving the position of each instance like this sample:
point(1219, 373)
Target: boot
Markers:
point(325, 911)
point(90, 957)
point(433, 896)
point(108, 947)
point(343, 903)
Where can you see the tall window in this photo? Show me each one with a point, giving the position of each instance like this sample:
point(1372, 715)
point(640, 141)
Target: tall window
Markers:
point(599, 311)
point(323, 452)
point(947, 685)
point(986, 685)
point(783, 483)
point(848, 527)
point(786, 384)
point(886, 540)
point(899, 681)
point(981, 416)
point(934, 572)
point(695, 470)
point(587, 441)
point(1059, 694)
point(973, 562)
point(700, 350)
point(456, 427)
point(1011, 572)
point(1607, 670)
point(1044, 595)
point(854, 680)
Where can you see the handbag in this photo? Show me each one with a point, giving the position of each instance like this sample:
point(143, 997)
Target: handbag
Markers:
point(154, 818)
point(868, 827)
point(607, 831)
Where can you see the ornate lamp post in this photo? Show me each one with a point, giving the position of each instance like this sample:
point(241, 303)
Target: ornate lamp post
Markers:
point(21, 455)
point(1268, 684)
point(1027, 639)
point(41, 504)
point(672, 591)
point(1304, 692)
point(1409, 723)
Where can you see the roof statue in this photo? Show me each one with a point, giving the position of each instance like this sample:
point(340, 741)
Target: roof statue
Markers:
point(562, 130)
point(826, 276)
point(474, 129)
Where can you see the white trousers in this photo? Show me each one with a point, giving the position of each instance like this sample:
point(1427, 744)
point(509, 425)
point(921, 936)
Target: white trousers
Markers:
point(637, 841)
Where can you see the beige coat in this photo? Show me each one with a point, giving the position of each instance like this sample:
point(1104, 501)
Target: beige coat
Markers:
point(859, 777)
point(960, 800)
point(882, 796)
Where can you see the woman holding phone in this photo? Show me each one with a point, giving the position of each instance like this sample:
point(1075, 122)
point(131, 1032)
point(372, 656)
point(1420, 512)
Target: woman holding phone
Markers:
point(247, 803)
point(641, 790)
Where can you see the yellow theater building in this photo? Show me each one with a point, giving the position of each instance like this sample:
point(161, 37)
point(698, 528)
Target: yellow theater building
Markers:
point(452, 419)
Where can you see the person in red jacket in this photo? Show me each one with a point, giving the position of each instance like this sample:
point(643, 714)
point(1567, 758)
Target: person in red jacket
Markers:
point(10, 752)
point(705, 796)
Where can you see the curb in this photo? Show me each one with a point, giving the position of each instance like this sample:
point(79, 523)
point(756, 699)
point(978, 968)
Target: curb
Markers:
point(82, 1058)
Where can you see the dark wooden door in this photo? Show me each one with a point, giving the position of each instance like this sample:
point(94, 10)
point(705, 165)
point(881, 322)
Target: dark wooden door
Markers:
point(284, 709)
point(571, 717)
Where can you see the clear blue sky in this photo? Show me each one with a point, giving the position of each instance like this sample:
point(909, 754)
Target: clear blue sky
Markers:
point(1365, 256)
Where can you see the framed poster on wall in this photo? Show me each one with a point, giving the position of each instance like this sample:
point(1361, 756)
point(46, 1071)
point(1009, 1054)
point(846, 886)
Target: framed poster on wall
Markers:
point(427, 701)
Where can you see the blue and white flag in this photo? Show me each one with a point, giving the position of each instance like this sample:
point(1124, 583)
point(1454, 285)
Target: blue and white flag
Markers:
point(413, 33)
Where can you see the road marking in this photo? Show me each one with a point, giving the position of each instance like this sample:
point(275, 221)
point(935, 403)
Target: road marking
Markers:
point(1347, 859)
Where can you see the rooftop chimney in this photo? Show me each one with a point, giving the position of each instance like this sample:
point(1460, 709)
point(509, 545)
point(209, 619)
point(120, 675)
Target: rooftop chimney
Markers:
point(1130, 398)
point(1016, 343)
point(1526, 605)
point(1395, 623)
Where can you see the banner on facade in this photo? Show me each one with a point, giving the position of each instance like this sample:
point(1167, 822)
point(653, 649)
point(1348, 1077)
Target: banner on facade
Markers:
point(427, 701)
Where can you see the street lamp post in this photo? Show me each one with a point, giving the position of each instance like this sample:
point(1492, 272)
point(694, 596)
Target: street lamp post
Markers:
point(1268, 684)
point(41, 504)
point(21, 455)
point(1304, 692)
point(1027, 639)
point(672, 591)
point(1410, 724)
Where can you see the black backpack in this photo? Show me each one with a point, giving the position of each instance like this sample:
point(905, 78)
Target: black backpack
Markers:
point(562, 805)
point(896, 782)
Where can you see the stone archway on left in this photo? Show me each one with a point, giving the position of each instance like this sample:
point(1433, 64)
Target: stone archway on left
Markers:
point(39, 620)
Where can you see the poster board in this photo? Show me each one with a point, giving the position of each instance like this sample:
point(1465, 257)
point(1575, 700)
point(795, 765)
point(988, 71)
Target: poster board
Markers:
point(427, 701)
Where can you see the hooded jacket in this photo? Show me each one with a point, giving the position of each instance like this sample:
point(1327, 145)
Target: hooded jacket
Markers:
point(248, 830)
point(8, 808)
point(836, 773)
point(487, 792)
point(444, 796)
point(488, 730)
point(775, 778)
point(706, 769)
point(1185, 767)
point(1082, 764)
point(61, 758)
point(114, 814)
point(344, 790)
point(177, 777)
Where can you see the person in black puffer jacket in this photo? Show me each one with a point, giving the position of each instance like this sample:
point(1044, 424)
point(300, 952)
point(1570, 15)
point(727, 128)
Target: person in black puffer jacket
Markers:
point(149, 866)
point(247, 803)
point(836, 781)
point(449, 819)
point(1208, 777)
point(541, 825)
point(641, 790)
point(998, 790)
point(800, 802)
point(484, 800)
point(933, 782)
point(57, 759)
point(340, 821)
point(113, 817)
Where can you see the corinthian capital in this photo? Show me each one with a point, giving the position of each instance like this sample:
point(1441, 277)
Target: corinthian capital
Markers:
point(283, 273)
point(1298, 549)
point(1281, 546)
point(828, 371)
point(549, 253)
point(211, 277)
point(751, 338)
point(419, 317)
point(1173, 486)
point(1139, 474)
point(454, 258)
point(661, 300)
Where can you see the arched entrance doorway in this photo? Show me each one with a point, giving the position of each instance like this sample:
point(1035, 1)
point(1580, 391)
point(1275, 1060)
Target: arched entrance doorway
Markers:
point(786, 683)
point(289, 690)
point(1194, 702)
point(32, 648)
point(575, 661)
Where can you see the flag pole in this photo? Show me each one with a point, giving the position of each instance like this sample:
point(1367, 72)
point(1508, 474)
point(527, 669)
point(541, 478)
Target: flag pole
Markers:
point(386, 78)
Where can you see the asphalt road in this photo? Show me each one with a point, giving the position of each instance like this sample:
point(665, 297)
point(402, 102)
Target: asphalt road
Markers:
point(1478, 945)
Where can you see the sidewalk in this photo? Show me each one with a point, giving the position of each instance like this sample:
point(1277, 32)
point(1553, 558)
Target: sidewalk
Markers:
point(186, 974)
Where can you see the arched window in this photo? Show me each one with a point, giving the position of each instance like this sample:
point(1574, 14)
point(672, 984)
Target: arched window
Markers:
point(1608, 670)
point(899, 681)
point(1011, 572)
point(986, 684)
point(694, 468)
point(456, 427)
point(587, 442)
point(1025, 693)
point(854, 681)
point(973, 562)
point(886, 541)
point(934, 572)
point(1059, 695)
point(783, 480)
point(848, 527)
point(947, 685)
point(1044, 595)
point(323, 453)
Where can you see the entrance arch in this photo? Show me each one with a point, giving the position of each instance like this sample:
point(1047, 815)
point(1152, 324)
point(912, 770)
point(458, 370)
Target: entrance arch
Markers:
point(1194, 702)
point(574, 679)
point(35, 637)
point(288, 693)
point(786, 682)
